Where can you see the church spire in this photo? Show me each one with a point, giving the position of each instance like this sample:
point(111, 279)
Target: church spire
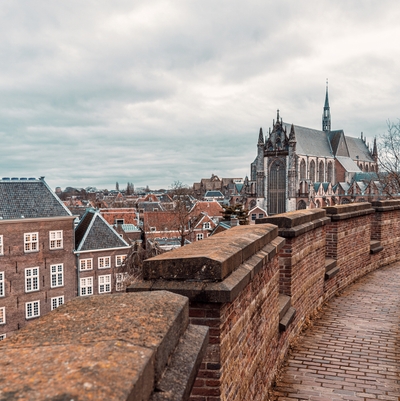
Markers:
point(375, 151)
point(326, 117)
point(261, 137)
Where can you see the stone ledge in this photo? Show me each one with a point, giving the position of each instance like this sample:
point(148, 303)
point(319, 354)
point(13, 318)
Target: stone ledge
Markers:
point(386, 205)
point(216, 292)
point(296, 223)
point(213, 258)
point(100, 347)
point(375, 247)
point(344, 212)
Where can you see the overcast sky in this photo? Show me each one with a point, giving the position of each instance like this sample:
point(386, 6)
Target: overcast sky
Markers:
point(151, 92)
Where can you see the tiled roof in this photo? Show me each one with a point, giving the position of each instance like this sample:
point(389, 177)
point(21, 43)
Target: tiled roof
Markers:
point(358, 149)
point(94, 233)
point(22, 198)
point(214, 194)
point(348, 164)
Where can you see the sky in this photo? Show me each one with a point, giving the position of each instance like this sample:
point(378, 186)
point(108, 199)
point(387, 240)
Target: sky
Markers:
point(153, 92)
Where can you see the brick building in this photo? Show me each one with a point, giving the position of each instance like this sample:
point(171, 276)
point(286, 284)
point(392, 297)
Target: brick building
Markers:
point(99, 250)
point(37, 264)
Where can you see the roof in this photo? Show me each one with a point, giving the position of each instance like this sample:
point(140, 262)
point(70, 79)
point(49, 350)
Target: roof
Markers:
point(94, 233)
point(310, 142)
point(348, 164)
point(214, 194)
point(213, 209)
point(130, 228)
point(358, 149)
point(29, 198)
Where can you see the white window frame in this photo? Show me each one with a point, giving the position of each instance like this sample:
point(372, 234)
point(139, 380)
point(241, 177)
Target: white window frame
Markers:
point(104, 262)
point(3, 336)
point(32, 279)
point(57, 273)
point(206, 226)
point(86, 264)
point(2, 284)
point(104, 284)
point(31, 242)
point(56, 239)
point(32, 309)
point(1, 245)
point(57, 301)
point(85, 286)
point(199, 237)
point(119, 259)
point(253, 216)
point(3, 315)
point(119, 281)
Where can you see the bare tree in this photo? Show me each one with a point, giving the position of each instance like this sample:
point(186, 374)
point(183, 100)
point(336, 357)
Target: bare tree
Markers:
point(389, 159)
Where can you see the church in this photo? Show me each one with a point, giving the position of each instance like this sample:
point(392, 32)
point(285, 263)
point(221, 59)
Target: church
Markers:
point(301, 168)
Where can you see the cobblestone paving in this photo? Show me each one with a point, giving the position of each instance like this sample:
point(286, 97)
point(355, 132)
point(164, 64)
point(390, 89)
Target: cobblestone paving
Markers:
point(353, 351)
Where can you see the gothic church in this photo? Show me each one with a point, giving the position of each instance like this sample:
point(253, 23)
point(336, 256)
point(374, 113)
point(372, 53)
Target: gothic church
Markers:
point(301, 168)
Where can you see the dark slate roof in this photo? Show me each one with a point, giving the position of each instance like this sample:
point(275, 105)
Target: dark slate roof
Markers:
point(358, 149)
point(214, 194)
point(311, 142)
point(22, 198)
point(94, 233)
point(339, 143)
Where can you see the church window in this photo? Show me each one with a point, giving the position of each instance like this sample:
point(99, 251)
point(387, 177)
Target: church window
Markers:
point(312, 171)
point(301, 205)
point(330, 172)
point(321, 172)
point(277, 187)
point(302, 170)
point(366, 168)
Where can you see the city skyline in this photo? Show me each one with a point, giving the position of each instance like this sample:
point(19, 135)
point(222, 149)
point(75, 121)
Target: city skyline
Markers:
point(152, 93)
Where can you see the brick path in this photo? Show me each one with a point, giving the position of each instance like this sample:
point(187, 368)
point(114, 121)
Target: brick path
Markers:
point(353, 351)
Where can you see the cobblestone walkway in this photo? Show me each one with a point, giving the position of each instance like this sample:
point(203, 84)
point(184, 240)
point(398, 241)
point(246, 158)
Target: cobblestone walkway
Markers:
point(353, 351)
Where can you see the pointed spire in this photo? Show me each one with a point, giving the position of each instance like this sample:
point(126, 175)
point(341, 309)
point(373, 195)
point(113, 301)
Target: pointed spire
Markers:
point(326, 117)
point(375, 151)
point(277, 116)
point(292, 135)
point(261, 137)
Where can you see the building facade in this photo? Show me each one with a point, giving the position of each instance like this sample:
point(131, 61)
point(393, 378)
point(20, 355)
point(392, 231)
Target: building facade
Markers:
point(37, 264)
point(301, 168)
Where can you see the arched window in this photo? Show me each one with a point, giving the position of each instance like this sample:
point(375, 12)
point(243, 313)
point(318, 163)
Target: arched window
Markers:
point(373, 168)
point(312, 171)
point(366, 168)
point(330, 172)
point(321, 175)
point(277, 187)
point(301, 205)
point(345, 201)
point(303, 170)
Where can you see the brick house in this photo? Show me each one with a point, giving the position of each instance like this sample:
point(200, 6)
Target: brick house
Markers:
point(37, 264)
point(99, 250)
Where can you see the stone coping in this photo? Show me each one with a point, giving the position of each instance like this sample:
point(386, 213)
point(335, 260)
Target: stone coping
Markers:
point(216, 292)
point(101, 347)
point(213, 258)
point(344, 212)
point(293, 224)
point(386, 205)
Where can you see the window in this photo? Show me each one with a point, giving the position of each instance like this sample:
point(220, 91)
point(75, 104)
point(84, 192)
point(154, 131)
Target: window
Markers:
point(253, 216)
point(152, 229)
point(119, 259)
point(56, 239)
point(57, 275)
point(3, 315)
point(32, 309)
point(32, 279)
point(119, 281)
point(56, 302)
point(104, 284)
point(1, 245)
point(86, 286)
point(104, 262)
point(3, 336)
point(260, 215)
point(199, 237)
point(119, 221)
point(2, 289)
point(206, 226)
point(86, 264)
point(31, 242)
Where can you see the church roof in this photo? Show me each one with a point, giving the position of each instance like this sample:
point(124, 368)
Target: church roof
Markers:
point(358, 149)
point(348, 164)
point(310, 142)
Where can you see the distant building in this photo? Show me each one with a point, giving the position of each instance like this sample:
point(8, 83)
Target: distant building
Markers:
point(37, 264)
point(299, 168)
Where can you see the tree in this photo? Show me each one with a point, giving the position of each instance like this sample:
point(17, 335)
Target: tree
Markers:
point(117, 186)
point(238, 211)
point(181, 195)
point(389, 159)
point(130, 190)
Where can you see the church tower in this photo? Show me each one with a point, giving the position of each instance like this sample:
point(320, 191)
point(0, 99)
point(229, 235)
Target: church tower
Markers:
point(326, 117)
